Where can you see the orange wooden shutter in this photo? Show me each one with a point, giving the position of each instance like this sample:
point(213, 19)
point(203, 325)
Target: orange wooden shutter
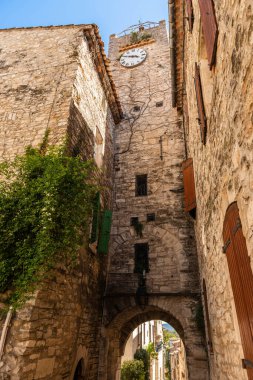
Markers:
point(241, 279)
point(189, 185)
point(190, 13)
point(210, 29)
point(200, 104)
point(209, 332)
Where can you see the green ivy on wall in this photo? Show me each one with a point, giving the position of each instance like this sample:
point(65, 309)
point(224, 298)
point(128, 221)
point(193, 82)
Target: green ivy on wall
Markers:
point(46, 200)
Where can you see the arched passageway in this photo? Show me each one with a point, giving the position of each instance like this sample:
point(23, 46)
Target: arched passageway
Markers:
point(160, 349)
point(178, 311)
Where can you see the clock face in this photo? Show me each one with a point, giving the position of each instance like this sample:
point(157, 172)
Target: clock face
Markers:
point(133, 57)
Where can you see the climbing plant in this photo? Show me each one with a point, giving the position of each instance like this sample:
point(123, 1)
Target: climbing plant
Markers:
point(133, 370)
point(137, 37)
point(138, 227)
point(46, 200)
point(151, 351)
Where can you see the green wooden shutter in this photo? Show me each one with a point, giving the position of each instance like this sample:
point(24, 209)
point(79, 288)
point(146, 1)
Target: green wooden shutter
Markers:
point(95, 219)
point(104, 236)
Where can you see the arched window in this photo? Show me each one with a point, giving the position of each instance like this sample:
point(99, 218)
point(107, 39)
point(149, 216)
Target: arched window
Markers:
point(79, 372)
point(241, 280)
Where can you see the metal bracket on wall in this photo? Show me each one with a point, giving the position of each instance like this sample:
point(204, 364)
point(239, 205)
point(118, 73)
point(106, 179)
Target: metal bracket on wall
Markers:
point(247, 364)
point(226, 245)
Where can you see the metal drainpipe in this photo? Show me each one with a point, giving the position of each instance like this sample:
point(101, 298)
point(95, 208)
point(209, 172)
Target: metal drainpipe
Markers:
point(172, 51)
point(5, 330)
point(184, 97)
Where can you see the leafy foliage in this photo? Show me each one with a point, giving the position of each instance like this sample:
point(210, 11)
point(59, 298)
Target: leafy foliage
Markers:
point(167, 335)
point(142, 354)
point(45, 205)
point(151, 350)
point(137, 37)
point(133, 370)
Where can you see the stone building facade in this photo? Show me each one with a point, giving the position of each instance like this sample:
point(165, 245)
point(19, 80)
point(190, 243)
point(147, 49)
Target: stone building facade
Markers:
point(57, 79)
point(213, 92)
point(178, 369)
point(153, 270)
point(150, 332)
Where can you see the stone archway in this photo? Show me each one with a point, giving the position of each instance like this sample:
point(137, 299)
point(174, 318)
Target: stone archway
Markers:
point(177, 311)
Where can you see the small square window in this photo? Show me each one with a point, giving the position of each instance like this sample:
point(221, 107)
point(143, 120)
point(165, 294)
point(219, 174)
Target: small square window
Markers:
point(141, 188)
point(134, 220)
point(150, 217)
point(159, 104)
point(136, 108)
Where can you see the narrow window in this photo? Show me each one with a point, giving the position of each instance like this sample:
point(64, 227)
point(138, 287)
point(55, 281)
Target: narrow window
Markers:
point(189, 187)
point(210, 29)
point(141, 185)
point(200, 104)
point(159, 104)
point(141, 258)
point(241, 280)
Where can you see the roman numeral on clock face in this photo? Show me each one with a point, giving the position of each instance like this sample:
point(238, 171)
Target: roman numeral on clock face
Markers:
point(133, 57)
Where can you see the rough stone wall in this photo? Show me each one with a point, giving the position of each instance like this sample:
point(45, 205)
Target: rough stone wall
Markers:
point(140, 141)
point(37, 74)
point(48, 80)
point(223, 167)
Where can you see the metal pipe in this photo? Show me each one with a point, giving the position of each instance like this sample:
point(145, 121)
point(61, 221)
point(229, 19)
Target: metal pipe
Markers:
point(5, 330)
point(184, 97)
point(161, 147)
point(172, 52)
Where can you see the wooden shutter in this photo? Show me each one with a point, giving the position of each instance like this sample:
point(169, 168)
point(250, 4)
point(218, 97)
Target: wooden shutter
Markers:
point(95, 219)
point(189, 185)
point(200, 104)
point(190, 15)
point(210, 29)
point(241, 278)
point(104, 236)
point(208, 324)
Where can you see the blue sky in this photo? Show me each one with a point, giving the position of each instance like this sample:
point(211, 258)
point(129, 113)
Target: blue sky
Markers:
point(112, 16)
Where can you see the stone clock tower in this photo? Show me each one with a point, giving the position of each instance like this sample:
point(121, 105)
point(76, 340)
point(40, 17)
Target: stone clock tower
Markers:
point(153, 271)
